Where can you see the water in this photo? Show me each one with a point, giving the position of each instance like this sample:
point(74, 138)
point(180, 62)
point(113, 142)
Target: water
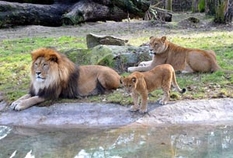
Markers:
point(126, 142)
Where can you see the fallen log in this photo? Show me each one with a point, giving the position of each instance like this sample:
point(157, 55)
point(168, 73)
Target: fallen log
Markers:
point(13, 14)
point(155, 13)
point(90, 11)
point(69, 12)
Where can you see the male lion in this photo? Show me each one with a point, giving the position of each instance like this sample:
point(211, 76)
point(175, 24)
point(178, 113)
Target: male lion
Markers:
point(186, 60)
point(141, 83)
point(53, 75)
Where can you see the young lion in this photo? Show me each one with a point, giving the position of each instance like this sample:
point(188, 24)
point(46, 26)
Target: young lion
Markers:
point(141, 83)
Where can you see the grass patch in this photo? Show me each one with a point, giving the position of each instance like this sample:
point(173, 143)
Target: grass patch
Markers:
point(15, 63)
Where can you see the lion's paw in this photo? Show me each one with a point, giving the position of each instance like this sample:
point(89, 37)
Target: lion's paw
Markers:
point(142, 64)
point(14, 104)
point(133, 109)
point(142, 111)
point(130, 69)
point(162, 102)
point(17, 105)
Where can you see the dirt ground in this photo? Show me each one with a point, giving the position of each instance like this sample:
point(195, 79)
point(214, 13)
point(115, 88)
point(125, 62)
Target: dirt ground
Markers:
point(125, 29)
point(208, 111)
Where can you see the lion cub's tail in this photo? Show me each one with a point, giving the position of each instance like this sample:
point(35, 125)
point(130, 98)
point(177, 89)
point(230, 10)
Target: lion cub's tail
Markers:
point(174, 83)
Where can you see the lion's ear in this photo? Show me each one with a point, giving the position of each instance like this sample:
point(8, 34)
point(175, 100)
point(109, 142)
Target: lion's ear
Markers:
point(133, 79)
point(33, 56)
point(121, 79)
point(163, 39)
point(151, 37)
point(53, 58)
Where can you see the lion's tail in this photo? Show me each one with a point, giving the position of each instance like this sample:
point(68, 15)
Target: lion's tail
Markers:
point(214, 64)
point(100, 88)
point(175, 84)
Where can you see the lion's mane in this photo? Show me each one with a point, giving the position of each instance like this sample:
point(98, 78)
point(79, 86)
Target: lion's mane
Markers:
point(63, 76)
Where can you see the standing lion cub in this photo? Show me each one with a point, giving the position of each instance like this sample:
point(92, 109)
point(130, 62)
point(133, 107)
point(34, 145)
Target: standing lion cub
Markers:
point(141, 83)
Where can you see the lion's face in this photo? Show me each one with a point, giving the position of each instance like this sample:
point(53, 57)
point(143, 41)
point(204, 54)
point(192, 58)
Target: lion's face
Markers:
point(40, 69)
point(158, 45)
point(129, 83)
point(43, 71)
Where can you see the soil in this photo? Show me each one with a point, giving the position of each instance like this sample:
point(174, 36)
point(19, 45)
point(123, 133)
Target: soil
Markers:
point(125, 29)
point(96, 114)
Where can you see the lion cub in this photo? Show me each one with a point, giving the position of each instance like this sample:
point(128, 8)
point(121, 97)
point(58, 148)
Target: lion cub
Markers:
point(141, 83)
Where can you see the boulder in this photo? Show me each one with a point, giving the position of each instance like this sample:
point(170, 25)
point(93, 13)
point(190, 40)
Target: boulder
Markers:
point(94, 40)
point(119, 57)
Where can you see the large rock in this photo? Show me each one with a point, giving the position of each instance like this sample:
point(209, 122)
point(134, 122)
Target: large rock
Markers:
point(119, 57)
point(65, 115)
point(94, 40)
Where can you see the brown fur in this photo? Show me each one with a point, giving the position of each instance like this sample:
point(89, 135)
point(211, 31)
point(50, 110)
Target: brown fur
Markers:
point(141, 83)
point(53, 75)
point(186, 60)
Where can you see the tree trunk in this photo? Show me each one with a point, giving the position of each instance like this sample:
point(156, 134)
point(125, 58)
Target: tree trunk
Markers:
point(221, 12)
point(210, 7)
point(229, 13)
point(69, 12)
point(201, 6)
point(195, 6)
point(168, 5)
point(221, 9)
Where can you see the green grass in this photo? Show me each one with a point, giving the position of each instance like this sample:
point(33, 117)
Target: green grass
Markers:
point(15, 61)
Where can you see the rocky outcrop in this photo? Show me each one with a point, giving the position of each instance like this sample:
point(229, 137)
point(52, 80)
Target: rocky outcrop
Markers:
point(94, 40)
point(117, 57)
point(65, 115)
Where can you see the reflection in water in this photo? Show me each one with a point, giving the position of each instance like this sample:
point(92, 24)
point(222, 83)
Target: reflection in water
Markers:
point(4, 131)
point(127, 142)
point(13, 154)
point(28, 155)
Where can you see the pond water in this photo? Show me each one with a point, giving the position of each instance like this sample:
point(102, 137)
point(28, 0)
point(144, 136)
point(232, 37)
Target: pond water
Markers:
point(125, 142)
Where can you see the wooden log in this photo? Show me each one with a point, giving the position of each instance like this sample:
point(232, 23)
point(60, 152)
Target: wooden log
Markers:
point(69, 12)
point(13, 14)
point(102, 10)
point(164, 15)
point(85, 11)
point(155, 13)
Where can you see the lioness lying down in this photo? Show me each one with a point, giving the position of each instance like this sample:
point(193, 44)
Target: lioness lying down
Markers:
point(53, 75)
point(141, 83)
point(186, 60)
